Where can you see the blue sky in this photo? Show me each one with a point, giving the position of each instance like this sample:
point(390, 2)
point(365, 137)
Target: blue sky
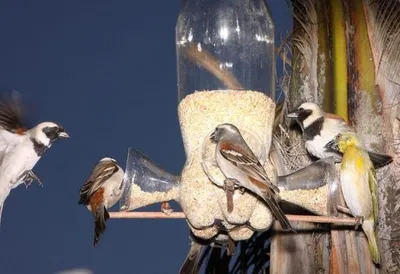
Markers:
point(106, 70)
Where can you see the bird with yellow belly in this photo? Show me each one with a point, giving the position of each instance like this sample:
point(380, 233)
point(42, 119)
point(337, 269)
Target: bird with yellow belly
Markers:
point(359, 185)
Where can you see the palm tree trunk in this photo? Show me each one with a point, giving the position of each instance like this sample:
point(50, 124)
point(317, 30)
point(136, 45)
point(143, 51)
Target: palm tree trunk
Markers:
point(346, 57)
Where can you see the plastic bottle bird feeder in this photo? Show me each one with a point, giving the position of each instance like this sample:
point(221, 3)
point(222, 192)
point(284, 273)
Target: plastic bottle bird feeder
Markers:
point(225, 57)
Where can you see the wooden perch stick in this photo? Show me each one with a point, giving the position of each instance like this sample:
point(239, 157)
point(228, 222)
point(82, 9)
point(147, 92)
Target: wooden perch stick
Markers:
point(146, 215)
point(181, 215)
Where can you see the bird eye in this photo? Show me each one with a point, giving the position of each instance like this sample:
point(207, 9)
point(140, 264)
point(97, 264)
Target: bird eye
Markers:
point(301, 109)
point(51, 132)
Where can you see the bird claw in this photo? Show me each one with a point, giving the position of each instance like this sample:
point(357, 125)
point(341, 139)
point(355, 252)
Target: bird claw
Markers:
point(28, 177)
point(359, 221)
point(166, 208)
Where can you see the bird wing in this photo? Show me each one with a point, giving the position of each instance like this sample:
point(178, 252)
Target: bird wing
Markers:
point(247, 162)
point(12, 126)
point(100, 174)
point(373, 187)
point(11, 113)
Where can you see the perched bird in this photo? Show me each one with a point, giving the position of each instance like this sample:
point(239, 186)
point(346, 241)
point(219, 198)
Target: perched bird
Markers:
point(101, 191)
point(359, 185)
point(320, 127)
point(238, 162)
point(21, 148)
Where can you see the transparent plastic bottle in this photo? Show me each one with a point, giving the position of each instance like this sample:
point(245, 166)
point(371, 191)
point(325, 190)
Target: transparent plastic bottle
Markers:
point(225, 44)
point(225, 64)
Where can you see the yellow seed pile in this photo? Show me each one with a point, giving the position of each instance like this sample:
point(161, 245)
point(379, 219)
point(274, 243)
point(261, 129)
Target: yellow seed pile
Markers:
point(315, 200)
point(139, 198)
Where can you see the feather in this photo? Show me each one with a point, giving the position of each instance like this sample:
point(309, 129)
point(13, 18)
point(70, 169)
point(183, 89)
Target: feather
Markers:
point(373, 187)
point(12, 126)
point(369, 229)
point(248, 163)
point(273, 205)
point(101, 173)
point(11, 114)
point(100, 215)
point(379, 160)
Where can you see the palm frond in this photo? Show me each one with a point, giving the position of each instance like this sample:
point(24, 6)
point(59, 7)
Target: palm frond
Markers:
point(304, 39)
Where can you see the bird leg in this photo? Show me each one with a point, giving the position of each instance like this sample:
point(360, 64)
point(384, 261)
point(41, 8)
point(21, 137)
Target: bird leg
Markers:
point(229, 187)
point(231, 247)
point(359, 221)
point(344, 210)
point(28, 177)
point(166, 208)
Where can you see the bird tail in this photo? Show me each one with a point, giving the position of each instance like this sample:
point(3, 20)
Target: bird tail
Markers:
point(369, 229)
point(100, 215)
point(273, 205)
point(190, 266)
point(379, 160)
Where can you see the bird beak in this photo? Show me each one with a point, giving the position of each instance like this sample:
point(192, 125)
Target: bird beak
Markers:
point(212, 136)
point(332, 145)
point(63, 135)
point(294, 114)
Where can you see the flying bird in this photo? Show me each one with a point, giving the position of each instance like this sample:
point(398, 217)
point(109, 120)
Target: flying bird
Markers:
point(359, 185)
point(21, 148)
point(102, 190)
point(320, 127)
point(237, 161)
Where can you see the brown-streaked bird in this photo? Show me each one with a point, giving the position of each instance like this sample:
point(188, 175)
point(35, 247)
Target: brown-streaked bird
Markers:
point(102, 190)
point(237, 161)
point(320, 127)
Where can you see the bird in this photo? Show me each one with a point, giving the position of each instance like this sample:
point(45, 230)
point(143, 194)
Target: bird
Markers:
point(320, 127)
point(237, 161)
point(21, 148)
point(359, 185)
point(102, 190)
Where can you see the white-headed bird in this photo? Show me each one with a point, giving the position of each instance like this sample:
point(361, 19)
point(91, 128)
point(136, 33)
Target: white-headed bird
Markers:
point(359, 185)
point(102, 190)
point(320, 127)
point(21, 148)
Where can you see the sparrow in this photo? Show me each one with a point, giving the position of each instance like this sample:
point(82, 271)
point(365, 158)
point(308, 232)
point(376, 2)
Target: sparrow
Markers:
point(102, 190)
point(237, 161)
point(320, 127)
point(359, 185)
point(21, 148)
